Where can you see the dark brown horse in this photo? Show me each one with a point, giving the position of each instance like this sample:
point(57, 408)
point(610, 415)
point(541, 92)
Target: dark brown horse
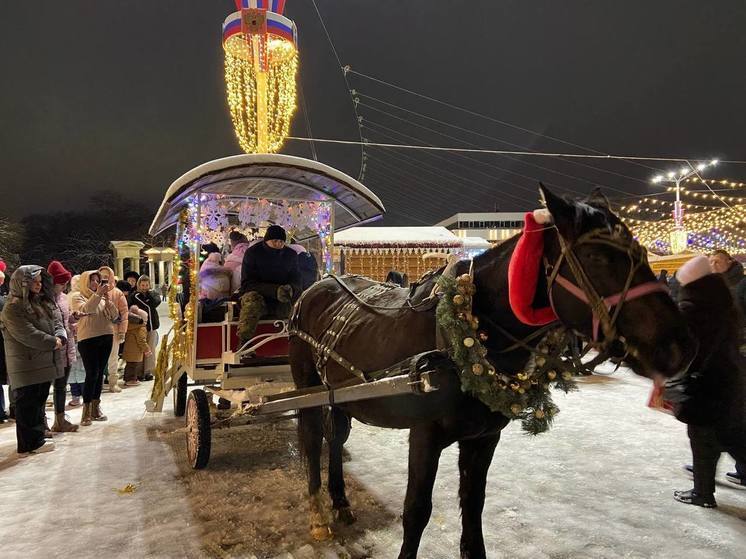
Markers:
point(587, 240)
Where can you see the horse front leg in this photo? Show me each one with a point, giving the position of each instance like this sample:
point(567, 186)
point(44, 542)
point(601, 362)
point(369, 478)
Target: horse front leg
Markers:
point(338, 432)
point(425, 447)
point(310, 436)
point(474, 459)
point(311, 429)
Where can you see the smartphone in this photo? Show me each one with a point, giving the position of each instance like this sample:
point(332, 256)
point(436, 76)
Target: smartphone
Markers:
point(104, 281)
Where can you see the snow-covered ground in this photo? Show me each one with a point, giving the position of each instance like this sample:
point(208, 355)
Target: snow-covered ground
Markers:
point(598, 485)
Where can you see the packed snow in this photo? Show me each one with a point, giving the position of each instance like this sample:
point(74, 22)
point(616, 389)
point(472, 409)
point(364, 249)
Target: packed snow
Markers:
point(598, 485)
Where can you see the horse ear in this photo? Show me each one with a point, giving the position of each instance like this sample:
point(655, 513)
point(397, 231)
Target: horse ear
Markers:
point(563, 212)
point(598, 199)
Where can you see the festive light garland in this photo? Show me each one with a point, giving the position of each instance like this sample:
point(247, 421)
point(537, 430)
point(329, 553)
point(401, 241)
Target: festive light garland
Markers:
point(261, 64)
point(525, 395)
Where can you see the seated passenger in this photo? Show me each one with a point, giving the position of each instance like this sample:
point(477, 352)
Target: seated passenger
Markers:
point(309, 270)
point(214, 278)
point(239, 244)
point(270, 281)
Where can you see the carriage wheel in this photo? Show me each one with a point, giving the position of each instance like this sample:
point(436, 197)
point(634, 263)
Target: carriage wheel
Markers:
point(198, 429)
point(180, 394)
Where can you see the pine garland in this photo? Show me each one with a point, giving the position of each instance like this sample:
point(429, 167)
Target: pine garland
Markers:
point(525, 395)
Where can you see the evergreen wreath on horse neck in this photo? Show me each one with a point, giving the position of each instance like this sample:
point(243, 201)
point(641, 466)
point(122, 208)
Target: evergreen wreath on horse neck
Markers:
point(525, 395)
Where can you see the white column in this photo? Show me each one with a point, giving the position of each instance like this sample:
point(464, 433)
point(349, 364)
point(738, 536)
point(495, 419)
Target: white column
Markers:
point(119, 267)
point(170, 271)
point(161, 272)
point(151, 272)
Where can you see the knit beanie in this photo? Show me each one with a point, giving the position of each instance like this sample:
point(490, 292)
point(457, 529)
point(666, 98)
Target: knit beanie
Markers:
point(3, 266)
point(58, 272)
point(275, 232)
point(696, 268)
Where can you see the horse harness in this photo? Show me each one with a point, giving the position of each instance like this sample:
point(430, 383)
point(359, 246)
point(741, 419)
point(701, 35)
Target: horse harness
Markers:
point(601, 307)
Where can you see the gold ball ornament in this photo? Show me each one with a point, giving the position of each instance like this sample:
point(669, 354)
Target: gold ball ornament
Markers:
point(566, 375)
point(458, 300)
point(469, 342)
point(464, 278)
point(539, 414)
point(477, 368)
point(551, 375)
point(515, 409)
point(540, 361)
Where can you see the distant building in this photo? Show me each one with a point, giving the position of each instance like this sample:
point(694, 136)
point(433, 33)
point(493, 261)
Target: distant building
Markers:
point(495, 227)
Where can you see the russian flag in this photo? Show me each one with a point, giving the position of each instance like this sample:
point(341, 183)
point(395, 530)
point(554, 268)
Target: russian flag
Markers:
point(232, 25)
point(276, 6)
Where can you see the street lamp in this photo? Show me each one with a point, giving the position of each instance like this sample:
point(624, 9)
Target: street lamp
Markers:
point(678, 236)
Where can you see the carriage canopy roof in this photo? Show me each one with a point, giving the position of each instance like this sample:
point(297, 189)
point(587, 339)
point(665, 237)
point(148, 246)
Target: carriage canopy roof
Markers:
point(272, 177)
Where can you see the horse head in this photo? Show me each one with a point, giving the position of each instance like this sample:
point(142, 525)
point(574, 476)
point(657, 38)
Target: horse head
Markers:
point(600, 284)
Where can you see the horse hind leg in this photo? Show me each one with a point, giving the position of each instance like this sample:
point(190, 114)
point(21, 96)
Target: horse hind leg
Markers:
point(310, 435)
point(339, 430)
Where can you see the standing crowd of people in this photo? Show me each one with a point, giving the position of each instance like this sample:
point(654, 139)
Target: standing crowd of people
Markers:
point(56, 330)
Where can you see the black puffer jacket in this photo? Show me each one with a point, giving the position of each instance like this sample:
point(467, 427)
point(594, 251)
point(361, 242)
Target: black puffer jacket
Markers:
point(264, 269)
point(717, 377)
point(149, 303)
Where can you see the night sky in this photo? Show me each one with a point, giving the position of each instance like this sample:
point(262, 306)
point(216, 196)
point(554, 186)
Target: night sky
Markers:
point(127, 95)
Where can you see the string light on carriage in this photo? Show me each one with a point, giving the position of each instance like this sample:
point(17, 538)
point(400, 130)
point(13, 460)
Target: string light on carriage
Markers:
point(261, 64)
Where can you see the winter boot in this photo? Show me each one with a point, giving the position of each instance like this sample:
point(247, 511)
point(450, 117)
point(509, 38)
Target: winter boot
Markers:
point(692, 498)
point(96, 413)
point(735, 477)
point(86, 419)
point(47, 431)
point(114, 383)
point(62, 425)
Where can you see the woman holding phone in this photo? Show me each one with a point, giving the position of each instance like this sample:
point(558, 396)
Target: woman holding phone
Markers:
point(96, 315)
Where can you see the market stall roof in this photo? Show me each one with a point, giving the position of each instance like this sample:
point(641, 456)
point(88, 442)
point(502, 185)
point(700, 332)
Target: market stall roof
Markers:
point(397, 237)
point(473, 243)
point(272, 177)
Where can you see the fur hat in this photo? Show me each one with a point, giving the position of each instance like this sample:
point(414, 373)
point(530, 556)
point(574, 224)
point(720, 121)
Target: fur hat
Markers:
point(58, 272)
point(275, 232)
point(131, 274)
point(696, 268)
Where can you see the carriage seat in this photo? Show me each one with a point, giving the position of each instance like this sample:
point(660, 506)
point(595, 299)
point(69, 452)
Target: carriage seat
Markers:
point(210, 312)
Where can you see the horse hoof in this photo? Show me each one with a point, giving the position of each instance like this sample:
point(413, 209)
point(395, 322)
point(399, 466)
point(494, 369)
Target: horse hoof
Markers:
point(344, 515)
point(321, 533)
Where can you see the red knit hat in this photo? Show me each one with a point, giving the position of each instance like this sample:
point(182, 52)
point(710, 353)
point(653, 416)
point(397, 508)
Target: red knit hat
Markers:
point(2, 266)
point(58, 272)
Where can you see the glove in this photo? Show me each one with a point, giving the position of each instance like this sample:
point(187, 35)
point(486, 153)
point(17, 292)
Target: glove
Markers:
point(285, 294)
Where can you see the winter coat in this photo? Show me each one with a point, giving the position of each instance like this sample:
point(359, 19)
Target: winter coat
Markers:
point(214, 279)
point(309, 269)
point(714, 388)
point(70, 355)
point(136, 339)
point(119, 299)
point(3, 368)
point(265, 269)
point(234, 262)
point(30, 331)
point(103, 312)
point(149, 303)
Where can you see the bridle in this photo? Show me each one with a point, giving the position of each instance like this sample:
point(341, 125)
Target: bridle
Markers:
point(582, 288)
